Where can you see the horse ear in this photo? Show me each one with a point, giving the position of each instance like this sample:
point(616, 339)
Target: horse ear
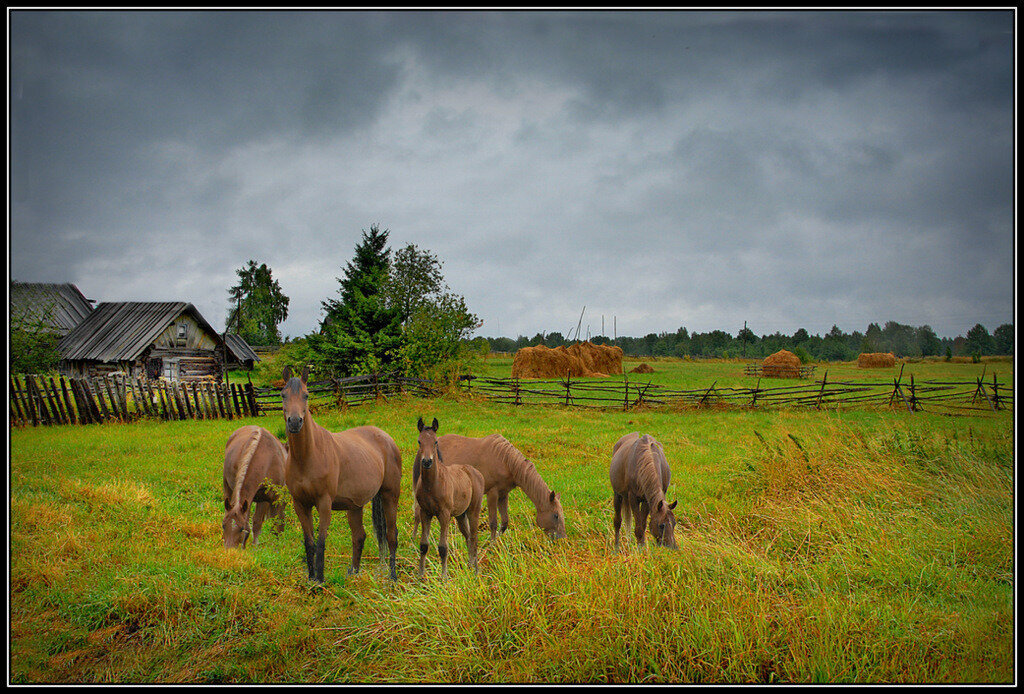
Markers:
point(287, 373)
point(435, 425)
point(660, 505)
point(419, 423)
point(673, 504)
point(552, 498)
point(305, 373)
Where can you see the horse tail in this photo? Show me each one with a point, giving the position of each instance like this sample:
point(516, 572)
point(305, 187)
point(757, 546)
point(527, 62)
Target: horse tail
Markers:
point(243, 466)
point(380, 527)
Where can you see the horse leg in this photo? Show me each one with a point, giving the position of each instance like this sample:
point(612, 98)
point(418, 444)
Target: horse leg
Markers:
point(464, 528)
point(445, 519)
point(640, 512)
point(424, 544)
point(617, 521)
point(258, 516)
point(503, 510)
point(492, 512)
point(391, 523)
point(324, 508)
point(305, 516)
point(355, 523)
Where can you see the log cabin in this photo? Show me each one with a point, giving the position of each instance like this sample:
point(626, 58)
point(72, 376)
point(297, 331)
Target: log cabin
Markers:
point(147, 339)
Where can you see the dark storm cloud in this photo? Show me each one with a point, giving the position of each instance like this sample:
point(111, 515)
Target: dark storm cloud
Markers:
point(668, 168)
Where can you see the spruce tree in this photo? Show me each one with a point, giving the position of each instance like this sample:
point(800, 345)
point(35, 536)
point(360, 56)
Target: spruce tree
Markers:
point(360, 333)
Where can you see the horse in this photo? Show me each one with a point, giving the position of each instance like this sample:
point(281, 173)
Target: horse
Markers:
point(252, 456)
point(339, 471)
point(640, 475)
point(503, 468)
point(444, 492)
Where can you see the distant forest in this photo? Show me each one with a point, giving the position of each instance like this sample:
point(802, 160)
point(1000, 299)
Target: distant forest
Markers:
point(836, 345)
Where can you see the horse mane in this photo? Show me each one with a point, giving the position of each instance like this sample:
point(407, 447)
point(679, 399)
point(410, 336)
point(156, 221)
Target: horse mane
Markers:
point(523, 472)
point(243, 465)
point(648, 474)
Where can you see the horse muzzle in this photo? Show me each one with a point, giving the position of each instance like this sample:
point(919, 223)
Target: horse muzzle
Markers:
point(427, 463)
point(293, 425)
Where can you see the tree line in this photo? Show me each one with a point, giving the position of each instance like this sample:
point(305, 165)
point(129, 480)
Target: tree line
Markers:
point(835, 345)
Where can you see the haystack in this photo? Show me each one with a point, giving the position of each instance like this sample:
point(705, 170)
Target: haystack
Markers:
point(782, 364)
point(580, 359)
point(876, 360)
point(644, 368)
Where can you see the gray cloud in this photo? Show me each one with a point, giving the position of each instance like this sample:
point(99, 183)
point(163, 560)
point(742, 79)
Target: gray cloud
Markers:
point(667, 168)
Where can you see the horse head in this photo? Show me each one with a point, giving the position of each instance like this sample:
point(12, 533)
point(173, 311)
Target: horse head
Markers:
point(663, 523)
point(235, 527)
point(295, 399)
point(427, 442)
point(551, 518)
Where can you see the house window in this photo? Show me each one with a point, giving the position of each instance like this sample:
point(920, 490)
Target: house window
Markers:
point(182, 335)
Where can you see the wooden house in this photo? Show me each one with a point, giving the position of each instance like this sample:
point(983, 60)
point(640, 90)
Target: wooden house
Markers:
point(55, 308)
point(145, 339)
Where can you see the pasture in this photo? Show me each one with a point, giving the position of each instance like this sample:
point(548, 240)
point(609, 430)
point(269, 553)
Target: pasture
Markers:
point(835, 546)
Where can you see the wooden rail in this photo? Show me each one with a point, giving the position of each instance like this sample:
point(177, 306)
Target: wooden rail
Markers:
point(48, 400)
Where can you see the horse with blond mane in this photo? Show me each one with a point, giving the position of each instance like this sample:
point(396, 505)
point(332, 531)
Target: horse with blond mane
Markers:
point(252, 457)
point(639, 476)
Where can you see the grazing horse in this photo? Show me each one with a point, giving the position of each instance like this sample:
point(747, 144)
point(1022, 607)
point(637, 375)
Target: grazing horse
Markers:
point(503, 468)
point(252, 456)
point(340, 471)
point(639, 475)
point(445, 492)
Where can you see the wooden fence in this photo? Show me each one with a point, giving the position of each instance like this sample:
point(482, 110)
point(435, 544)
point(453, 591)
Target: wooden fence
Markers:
point(38, 400)
point(47, 400)
point(758, 370)
point(914, 396)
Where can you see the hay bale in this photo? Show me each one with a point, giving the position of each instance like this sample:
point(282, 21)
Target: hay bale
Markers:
point(876, 360)
point(782, 364)
point(642, 369)
point(580, 359)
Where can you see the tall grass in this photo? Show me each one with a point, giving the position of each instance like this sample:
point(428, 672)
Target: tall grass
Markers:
point(814, 547)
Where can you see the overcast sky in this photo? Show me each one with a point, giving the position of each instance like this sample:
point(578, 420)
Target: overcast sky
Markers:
point(667, 169)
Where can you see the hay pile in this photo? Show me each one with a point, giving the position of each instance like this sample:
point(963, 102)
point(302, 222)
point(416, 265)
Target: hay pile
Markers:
point(580, 359)
point(876, 360)
point(642, 369)
point(782, 364)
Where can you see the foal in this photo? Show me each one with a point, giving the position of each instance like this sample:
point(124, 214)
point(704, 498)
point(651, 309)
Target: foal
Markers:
point(445, 491)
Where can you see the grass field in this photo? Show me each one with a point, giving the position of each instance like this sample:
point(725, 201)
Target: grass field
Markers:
point(843, 546)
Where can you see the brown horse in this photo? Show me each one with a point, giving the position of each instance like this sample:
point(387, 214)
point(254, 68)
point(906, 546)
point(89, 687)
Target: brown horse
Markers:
point(252, 456)
point(503, 468)
point(341, 472)
point(640, 475)
point(445, 492)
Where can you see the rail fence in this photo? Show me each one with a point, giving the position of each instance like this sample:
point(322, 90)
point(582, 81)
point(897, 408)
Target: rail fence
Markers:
point(43, 401)
point(945, 396)
point(47, 400)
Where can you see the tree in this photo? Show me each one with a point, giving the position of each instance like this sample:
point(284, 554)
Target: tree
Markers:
point(800, 336)
point(979, 342)
point(928, 342)
point(435, 321)
point(257, 305)
point(33, 344)
point(361, 333)
point(1003, 337)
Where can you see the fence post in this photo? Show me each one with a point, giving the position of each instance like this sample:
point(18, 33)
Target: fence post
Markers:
point(821, 392)
point(568, 375)
point(515, 385)
point(625, 393)
point(995, 393)
point(757, 389)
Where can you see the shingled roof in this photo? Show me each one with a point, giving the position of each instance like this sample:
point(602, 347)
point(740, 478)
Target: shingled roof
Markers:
point(34, 301)
point(122, 330)
point(240, 348)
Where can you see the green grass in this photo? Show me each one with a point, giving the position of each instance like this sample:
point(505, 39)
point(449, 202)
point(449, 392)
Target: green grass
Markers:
point(849, 546)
